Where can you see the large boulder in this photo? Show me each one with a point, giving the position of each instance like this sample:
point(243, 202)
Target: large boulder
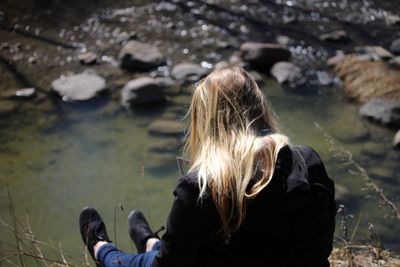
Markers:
point(383, 111)
point(188, 72)
point(139, 56)
point(364, 79)
point(142, 90)
point(263, 55)
point(166, 128)
point(79, 87)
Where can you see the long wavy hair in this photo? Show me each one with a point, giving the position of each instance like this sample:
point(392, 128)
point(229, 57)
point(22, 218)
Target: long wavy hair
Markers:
point(233, 134)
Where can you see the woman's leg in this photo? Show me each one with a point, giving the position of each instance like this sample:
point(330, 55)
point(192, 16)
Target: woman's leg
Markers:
point(109, 256)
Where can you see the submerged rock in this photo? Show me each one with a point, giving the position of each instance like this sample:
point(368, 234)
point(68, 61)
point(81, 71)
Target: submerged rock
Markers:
point(7, 107)
point(188, 72)
point(349, 128)
point(263, 55)
point(171, 145)
point(335, 36)
point(287, 73)
point(139, 56)
point(396, 140)
point(79, 87)
point(395, 47)
point(142, 90)
point(364, 80)
point(166, 128)
point(373, 149)
point(383, 111)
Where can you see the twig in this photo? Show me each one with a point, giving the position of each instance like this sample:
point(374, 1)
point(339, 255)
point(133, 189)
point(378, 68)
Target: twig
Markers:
point(348, 157)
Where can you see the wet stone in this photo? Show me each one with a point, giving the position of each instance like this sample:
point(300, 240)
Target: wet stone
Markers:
point(383, 111)
point(188, 72)
point(144, 90)
point(221, 65)
point(139, 56)
point(168, 85)
point(392, 20)
point(263, 55)
point(79, 87)
point(356, 133)
point(166, 128)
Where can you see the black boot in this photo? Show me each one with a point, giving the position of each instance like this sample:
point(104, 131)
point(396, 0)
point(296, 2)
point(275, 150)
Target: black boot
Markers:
point(140, 231)
point(92, 230)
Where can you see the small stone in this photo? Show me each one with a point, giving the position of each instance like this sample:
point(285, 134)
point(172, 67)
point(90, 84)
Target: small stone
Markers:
point(169, 86)
point(79, 87)
point(392, 20)
point(335, 36)
point(188, 72)
point(166, 128)
point(236, 60)
point(87, 58)
point(289, 18)
point(171, 145)
point(263, 55)
point(140, 56)
point(286, 73)
point(221, 65)
point(283, 40)
point(382, 110)
point(395, 47)
point(396, 140)
point(144, 90)
point(26, 93)
point(256, 76)
point(395, 63)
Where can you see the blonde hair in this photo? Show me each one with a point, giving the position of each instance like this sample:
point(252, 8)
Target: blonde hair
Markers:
point(224, 144)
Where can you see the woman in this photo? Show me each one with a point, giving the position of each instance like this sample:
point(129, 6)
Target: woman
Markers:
point(249, 198)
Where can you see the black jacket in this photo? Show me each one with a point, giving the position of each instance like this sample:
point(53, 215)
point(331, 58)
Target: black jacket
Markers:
point(289, 223)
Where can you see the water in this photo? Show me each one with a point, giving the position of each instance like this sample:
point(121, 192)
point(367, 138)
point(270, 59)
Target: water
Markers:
point(57, 158)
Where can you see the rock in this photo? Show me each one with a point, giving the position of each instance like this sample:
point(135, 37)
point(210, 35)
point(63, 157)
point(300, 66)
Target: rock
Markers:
point(377, 150)
point(221, 65)
point(142, 90)
point(392, 19)
point(395, 47)
point(356, 133)
point(289, 18)
point(26, 93)
point(383, 174)
point(161, 164)
point(335, 36)
point(396, 140)
point(139, 56)
point(375, 52)
point(87, 58)
point(7, 107)
point(235, 60)
point(172, 145)
point(287, 73)
point(283, 40)
point(263, 55)
point(79, 87)
point(364, 80)
point(188, 72)
point(383, 111)
point(166, 128)
point(256, 76)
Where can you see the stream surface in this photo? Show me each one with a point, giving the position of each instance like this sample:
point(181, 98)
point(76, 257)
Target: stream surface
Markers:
point(57, 157)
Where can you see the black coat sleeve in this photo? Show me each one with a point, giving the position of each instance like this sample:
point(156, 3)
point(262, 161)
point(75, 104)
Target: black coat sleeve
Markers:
point(183, 237)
